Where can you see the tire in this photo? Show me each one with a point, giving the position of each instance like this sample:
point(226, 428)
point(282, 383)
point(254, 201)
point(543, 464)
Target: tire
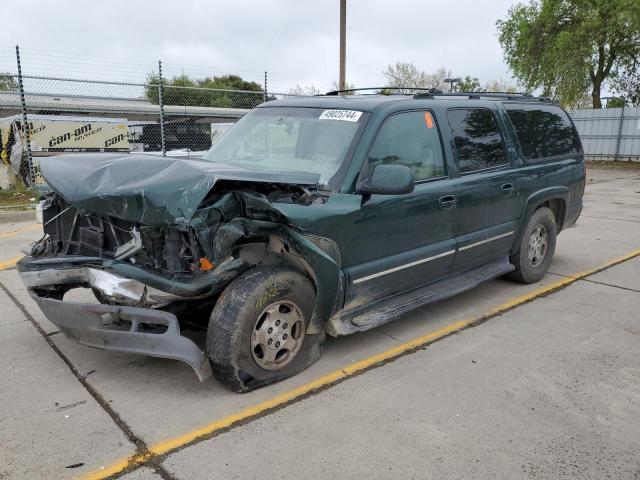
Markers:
point(237, 333)
point(531, 268)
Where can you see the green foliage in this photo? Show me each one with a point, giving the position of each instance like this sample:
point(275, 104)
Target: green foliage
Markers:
point(468, 84)
point(7, 82)
point(500, 86)
point(568, 47)
point(616, 102)
point(206, 92)
point(626, 82)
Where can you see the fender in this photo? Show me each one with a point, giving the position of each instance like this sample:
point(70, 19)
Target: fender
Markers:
point(533, 202)
point(318, 254)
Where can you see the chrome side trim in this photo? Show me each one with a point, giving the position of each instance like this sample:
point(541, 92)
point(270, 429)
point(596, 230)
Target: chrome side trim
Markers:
point(486, 240)
point(402, 267)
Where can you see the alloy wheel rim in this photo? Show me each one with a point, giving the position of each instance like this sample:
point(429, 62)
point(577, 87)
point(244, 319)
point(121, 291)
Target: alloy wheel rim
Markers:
point(537, 245)
point(277, 335)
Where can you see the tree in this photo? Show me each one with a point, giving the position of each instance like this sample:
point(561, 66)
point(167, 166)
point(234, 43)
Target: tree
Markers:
point(615, 102)
point(304, 91)
point(500, 86)
point(626, 82)
point(347, 86)
point(468, 84)
point(568, 47)
point(7, 82)
point(207, 92)
point(406, 75)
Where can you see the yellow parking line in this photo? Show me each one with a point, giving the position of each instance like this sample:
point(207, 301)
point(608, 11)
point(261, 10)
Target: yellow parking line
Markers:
point(5, 264)
point(20, 230)
point(167, 446)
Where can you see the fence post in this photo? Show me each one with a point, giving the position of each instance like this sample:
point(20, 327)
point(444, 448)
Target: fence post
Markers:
point(25, 124)
point(264, 93)
point(164, 151)
point(619, 139)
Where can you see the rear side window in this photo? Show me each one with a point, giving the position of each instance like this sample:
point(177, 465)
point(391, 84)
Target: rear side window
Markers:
point(477, 139)
point(543, 131)
point(410, 139)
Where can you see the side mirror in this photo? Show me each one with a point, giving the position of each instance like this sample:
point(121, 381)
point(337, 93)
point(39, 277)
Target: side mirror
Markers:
point(388, 179)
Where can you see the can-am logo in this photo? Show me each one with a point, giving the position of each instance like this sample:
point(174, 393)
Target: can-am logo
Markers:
point(85, 129)
point(114, 140)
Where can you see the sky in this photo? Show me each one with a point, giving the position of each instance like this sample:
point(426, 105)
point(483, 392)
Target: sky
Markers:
point(295, 41)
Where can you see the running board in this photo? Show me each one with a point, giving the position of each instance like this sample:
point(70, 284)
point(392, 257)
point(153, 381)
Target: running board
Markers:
point(383, 311)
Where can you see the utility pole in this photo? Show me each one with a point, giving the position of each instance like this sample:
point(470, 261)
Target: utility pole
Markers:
point(343, 43)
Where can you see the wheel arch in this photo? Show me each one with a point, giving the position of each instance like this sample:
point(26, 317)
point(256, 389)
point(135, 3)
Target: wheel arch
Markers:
point(266, 243)
point(554, 198)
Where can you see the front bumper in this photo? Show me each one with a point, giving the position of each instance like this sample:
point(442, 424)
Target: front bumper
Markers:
point(126, 327)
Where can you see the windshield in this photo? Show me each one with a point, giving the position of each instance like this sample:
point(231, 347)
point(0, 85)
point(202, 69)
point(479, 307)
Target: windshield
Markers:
point(285, 139)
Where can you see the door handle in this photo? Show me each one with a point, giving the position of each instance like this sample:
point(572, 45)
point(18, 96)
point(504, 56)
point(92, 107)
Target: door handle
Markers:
point(447, 202)
point(507, 187)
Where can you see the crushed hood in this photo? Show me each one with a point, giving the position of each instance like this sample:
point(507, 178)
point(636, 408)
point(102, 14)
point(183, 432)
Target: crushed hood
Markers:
point(147, 189)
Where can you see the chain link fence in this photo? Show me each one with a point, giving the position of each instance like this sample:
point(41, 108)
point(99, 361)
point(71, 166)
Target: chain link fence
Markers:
point(45, 115)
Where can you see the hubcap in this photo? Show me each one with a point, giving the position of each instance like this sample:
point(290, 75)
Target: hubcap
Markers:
point(537, 245)
point(277, 335)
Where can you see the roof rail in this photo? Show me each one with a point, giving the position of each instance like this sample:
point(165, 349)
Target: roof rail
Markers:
point(478, 95)
point(434, 93)
point(347, 90)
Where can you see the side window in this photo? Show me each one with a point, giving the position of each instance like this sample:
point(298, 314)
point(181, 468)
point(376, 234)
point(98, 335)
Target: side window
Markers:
point(477, 138)
point(543, 131)
point(410, 139)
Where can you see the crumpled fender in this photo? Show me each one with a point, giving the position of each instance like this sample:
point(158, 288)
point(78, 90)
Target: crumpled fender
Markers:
point(323, 268)
point(237, 216)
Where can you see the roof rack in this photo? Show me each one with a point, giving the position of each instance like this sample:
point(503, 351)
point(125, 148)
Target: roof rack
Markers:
point(478, 95)
point(434, 93)
point(413, 89)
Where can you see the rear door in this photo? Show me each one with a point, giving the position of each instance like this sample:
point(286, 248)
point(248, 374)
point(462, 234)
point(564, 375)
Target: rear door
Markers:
point(488, 199)
point(403, 241)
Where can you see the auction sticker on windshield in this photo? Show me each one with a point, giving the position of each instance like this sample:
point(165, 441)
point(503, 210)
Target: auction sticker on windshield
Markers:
point(346, 115)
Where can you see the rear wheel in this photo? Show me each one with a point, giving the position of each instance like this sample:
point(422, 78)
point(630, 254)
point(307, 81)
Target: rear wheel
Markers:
point(257, 331)
point(537, 247)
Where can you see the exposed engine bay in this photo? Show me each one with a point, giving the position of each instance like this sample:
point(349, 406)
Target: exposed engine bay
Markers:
point(169, 250)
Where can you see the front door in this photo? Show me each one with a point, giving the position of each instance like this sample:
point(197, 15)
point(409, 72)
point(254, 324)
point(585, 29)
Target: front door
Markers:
point(403, 241)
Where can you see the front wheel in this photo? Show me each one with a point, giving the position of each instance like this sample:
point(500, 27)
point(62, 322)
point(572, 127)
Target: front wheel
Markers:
point(536, 249)
point(257, 332)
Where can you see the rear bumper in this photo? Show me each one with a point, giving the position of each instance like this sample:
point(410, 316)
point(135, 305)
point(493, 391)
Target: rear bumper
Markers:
point(574, 211)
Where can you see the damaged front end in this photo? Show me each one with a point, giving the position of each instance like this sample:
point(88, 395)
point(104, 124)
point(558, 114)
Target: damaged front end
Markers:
point(157, 272)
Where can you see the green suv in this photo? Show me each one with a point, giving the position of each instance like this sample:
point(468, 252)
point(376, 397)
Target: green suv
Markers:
point(324, 215)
